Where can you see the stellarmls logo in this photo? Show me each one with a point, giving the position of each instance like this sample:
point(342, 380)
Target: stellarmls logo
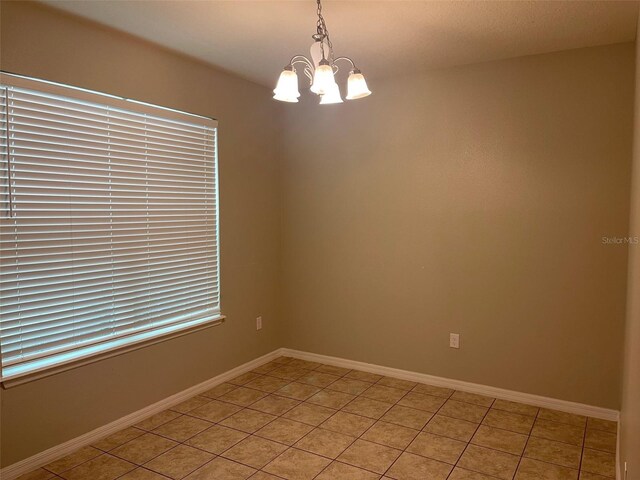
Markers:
point(620, 240)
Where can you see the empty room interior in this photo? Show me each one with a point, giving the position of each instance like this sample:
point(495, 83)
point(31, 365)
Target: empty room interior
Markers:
point(319, 239)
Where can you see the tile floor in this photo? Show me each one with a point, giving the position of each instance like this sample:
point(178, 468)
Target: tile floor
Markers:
point(297, 420)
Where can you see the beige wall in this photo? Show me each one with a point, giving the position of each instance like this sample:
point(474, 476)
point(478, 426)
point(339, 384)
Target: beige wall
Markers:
point(630, 415)
point(471, 200)
point(43, 43)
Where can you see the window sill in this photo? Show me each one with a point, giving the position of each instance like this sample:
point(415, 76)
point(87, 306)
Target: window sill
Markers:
point(62, 367)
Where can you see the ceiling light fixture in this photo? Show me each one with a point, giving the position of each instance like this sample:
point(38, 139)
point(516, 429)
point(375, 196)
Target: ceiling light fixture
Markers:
point(321, 70)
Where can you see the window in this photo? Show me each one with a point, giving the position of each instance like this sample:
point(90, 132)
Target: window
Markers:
point(109, 233)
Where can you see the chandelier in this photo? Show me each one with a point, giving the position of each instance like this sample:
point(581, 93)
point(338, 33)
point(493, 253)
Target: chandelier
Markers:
point(320, 70)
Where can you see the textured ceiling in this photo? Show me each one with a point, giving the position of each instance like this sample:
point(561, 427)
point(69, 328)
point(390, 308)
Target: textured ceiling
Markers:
point(255, 39)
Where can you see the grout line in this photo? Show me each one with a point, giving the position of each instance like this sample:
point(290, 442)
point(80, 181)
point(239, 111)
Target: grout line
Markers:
point(471, 438)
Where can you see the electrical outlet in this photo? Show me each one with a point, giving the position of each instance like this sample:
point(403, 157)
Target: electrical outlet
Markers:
point(259, 323)
point(454, 340)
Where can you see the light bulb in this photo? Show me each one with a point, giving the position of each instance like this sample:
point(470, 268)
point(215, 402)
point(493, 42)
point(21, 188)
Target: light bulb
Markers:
point(323, 79)
point(332, 96)
point(287, 88)
point(357, 86)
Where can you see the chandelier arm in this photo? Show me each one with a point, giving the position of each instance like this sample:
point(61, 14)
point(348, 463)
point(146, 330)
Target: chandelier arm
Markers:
point(309, 75)
point(302, 59)
point(353, 65)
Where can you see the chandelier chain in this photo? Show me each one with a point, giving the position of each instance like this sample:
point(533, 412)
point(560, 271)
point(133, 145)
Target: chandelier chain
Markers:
point(323, 31)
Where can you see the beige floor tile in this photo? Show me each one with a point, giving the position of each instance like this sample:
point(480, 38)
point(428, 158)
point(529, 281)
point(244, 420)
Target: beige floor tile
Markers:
point(74, 459)
point(338, 371)
point(266, 368)
point(306, 364)
point(436, 447)
point(463, 411)
point(420, 401)
point(288, 373)
point(331, 399)
point(242, 396)
point(601, 463)
point(309, 414)
point(342, 471)
point(591, 476)
point(264, 476)
point(275, 404)
point(182, 428)
point(530, 469)
point(433, 390)
point(222, 469)
point(318, 379)
point(498, 439)
point(219, 390)
point(604, 425)
point(217, 439)
point(255, 451)
point(298, 391)
point(142, 449)
point(325, 442)
point(398, 383)
point(550, 451)
point(190, 404)
point(451, 427)
point(215, 411)
point(296, 464)
point(416, 467)
point(179, 462)
point(244, 378)
point(284, 430)
point(600, 440)
point(141, 473)
point(348, 423)
point(488, 461)
point(248, 421)
point(39, 474)
point(116, 439)
point(513, 422)
point(349, 385)
point(560, 432)
point(407, 417)
point(267, 384)
point(282, 360)
point(474, 398)
point(515, 407)
point(462, 474)
point(562, 417)
point(156, 420)
point(364, 376)
point(390, 434)
point(383, 393)
point(367, 407)
point(370, 456)
point(104, 467)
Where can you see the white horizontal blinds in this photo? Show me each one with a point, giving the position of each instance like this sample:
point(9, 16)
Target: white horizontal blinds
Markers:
point(112, 229)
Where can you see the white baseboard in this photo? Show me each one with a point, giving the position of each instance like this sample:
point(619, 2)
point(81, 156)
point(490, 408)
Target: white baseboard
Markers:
point(531, 399)
point(43, 458)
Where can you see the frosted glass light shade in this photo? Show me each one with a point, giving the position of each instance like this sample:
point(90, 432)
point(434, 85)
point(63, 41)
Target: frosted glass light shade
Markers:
point(332, 96)
point(287, 88)
point(357, 86)
point(323, 80)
